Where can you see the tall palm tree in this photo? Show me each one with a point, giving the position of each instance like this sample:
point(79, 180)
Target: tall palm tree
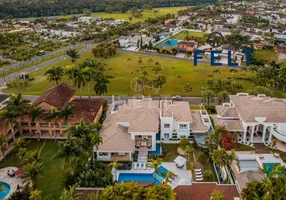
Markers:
point(208, 96)
point(100, 86)
point(73, 54)
point(169, 175)
point(89, 73)
point(69, 71)
point(66, 112)
point(35, 112)
point(188, 88)
point(217, 195)
point(31, 171)
point(3, 142)
point(55, 74)
point(17, 103)
point(79, 79)
point(155, 164)
point(223, 96)
point(11, 117)
point(190, 150)
point(52, 116)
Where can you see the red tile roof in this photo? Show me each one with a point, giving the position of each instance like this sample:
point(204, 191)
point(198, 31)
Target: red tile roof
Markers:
point(57, 96)
point(203, 191)
point(85, 109)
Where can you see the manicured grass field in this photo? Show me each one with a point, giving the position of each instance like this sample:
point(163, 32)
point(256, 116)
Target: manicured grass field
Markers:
point(177, 73)
point(50, 181)
point(145, 15)
point(266, 55)
point(183, 34)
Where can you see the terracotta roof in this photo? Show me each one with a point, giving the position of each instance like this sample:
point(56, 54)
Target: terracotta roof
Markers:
point(227, 111)
point(57, 96)
point(203, 191)
point(85, 109)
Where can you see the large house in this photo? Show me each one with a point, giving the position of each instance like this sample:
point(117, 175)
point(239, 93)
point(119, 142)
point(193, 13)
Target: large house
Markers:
point(257, 119)
point(187, 46)
point(89, 110)
point(136, 41)
point(139, 126)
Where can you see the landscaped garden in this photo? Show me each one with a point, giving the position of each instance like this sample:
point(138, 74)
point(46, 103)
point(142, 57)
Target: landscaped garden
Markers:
point(51, 180)
point(122, 68)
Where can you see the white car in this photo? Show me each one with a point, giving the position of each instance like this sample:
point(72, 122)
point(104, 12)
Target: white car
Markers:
point(177, 97)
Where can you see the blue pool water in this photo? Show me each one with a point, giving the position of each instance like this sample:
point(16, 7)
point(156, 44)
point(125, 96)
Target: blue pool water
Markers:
point(172, 43)
point(158, 150)
point(137, 177)
point(6, 191)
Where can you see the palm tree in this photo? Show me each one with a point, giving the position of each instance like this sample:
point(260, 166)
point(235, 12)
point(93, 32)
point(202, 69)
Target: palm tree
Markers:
point(34, 113)
point(189, 150)
point(79, 79)
point(223, 96)
point(188, 88)
point(89, 74)
point(11, 117)
point(52, 116)
point(129, 60)
point(70, 194)
point(35, 195)
point(69, 71)
point(31, 171)
point(17, 103)
point(169, 175)
point(100, 86)
point(55, 74)
point(155, 164)
point(3, 142)
point(93, 196)
point(73, 54)
point(66, 112)
point(208, 96)
point(115, 166)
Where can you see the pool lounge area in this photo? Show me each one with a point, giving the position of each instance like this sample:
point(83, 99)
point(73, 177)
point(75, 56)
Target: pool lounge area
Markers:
point(146, 175)
point(169, 43)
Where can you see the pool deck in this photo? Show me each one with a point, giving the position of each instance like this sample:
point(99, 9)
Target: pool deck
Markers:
point(170, 166)
point(12, 181)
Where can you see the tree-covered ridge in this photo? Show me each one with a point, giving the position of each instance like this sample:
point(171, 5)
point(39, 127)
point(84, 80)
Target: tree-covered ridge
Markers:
point(36, 8)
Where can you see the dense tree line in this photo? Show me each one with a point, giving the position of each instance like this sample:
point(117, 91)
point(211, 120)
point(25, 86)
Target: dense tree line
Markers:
point(33, 8)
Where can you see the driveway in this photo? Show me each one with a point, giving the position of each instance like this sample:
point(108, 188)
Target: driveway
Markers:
point(180, 55)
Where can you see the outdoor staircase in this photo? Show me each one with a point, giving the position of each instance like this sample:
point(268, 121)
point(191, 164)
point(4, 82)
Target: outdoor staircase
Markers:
point(142, 156)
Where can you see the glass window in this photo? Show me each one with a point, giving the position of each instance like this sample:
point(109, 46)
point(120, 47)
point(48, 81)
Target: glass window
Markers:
point(166, 125)
point(183, 126)
point(166, 135)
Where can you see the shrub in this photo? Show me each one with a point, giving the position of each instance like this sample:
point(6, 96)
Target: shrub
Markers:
point(203, 158)
point(227, 142)
point(208, 175)
point(183, 143)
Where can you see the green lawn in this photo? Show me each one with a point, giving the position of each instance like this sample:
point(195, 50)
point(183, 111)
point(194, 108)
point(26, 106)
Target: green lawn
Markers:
point(177, 72)
point(182, 35)
point(145, 15)
point(243, 147)
point(265, 55)
point(50, 181)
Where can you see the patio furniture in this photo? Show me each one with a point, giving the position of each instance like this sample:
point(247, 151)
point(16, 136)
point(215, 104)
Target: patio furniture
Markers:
point(142, 165)
point(139, 166)
point(143, 144)
point(149, 144)
point(180, 161)
point(276, 155)
point(145, 167)
point(260, 156)
point(198, 170)
point(198, 173)
point(11, 173)
point(199, 176)
point(135, 166)
point(199, 179)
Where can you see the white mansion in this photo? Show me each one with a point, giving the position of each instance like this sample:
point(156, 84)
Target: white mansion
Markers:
point(139, 126)
point(257, 119)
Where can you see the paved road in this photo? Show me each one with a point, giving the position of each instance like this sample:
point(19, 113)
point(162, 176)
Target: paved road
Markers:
point(191, 100)
point(13, 76)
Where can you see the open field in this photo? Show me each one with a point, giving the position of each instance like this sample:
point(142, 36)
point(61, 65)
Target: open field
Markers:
point(183, 34)
point(145, 14)
point(50, 181)
point(265, 55)
point(177, 73)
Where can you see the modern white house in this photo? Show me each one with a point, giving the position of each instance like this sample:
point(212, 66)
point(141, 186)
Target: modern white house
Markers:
point(178, 121)
point(140, 125)
point(257, 119)
point(135, 41)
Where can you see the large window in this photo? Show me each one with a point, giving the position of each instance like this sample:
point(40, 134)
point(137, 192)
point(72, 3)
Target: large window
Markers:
point(166, 125)
point(183, 126)
point(166, 135)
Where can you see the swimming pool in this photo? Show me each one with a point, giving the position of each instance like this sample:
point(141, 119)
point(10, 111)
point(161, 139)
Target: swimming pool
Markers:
point(6, 190)
point(171, 43)
point(158, 150)
point(143, 177)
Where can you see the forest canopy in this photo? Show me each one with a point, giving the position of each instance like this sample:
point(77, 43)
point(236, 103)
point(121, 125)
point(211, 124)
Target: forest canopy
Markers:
point(38, 8)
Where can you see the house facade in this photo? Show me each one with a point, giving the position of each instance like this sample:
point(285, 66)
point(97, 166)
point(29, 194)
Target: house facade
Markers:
point(256, 119)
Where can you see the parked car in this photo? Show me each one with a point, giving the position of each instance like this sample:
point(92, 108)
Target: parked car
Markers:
point(177, 97)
